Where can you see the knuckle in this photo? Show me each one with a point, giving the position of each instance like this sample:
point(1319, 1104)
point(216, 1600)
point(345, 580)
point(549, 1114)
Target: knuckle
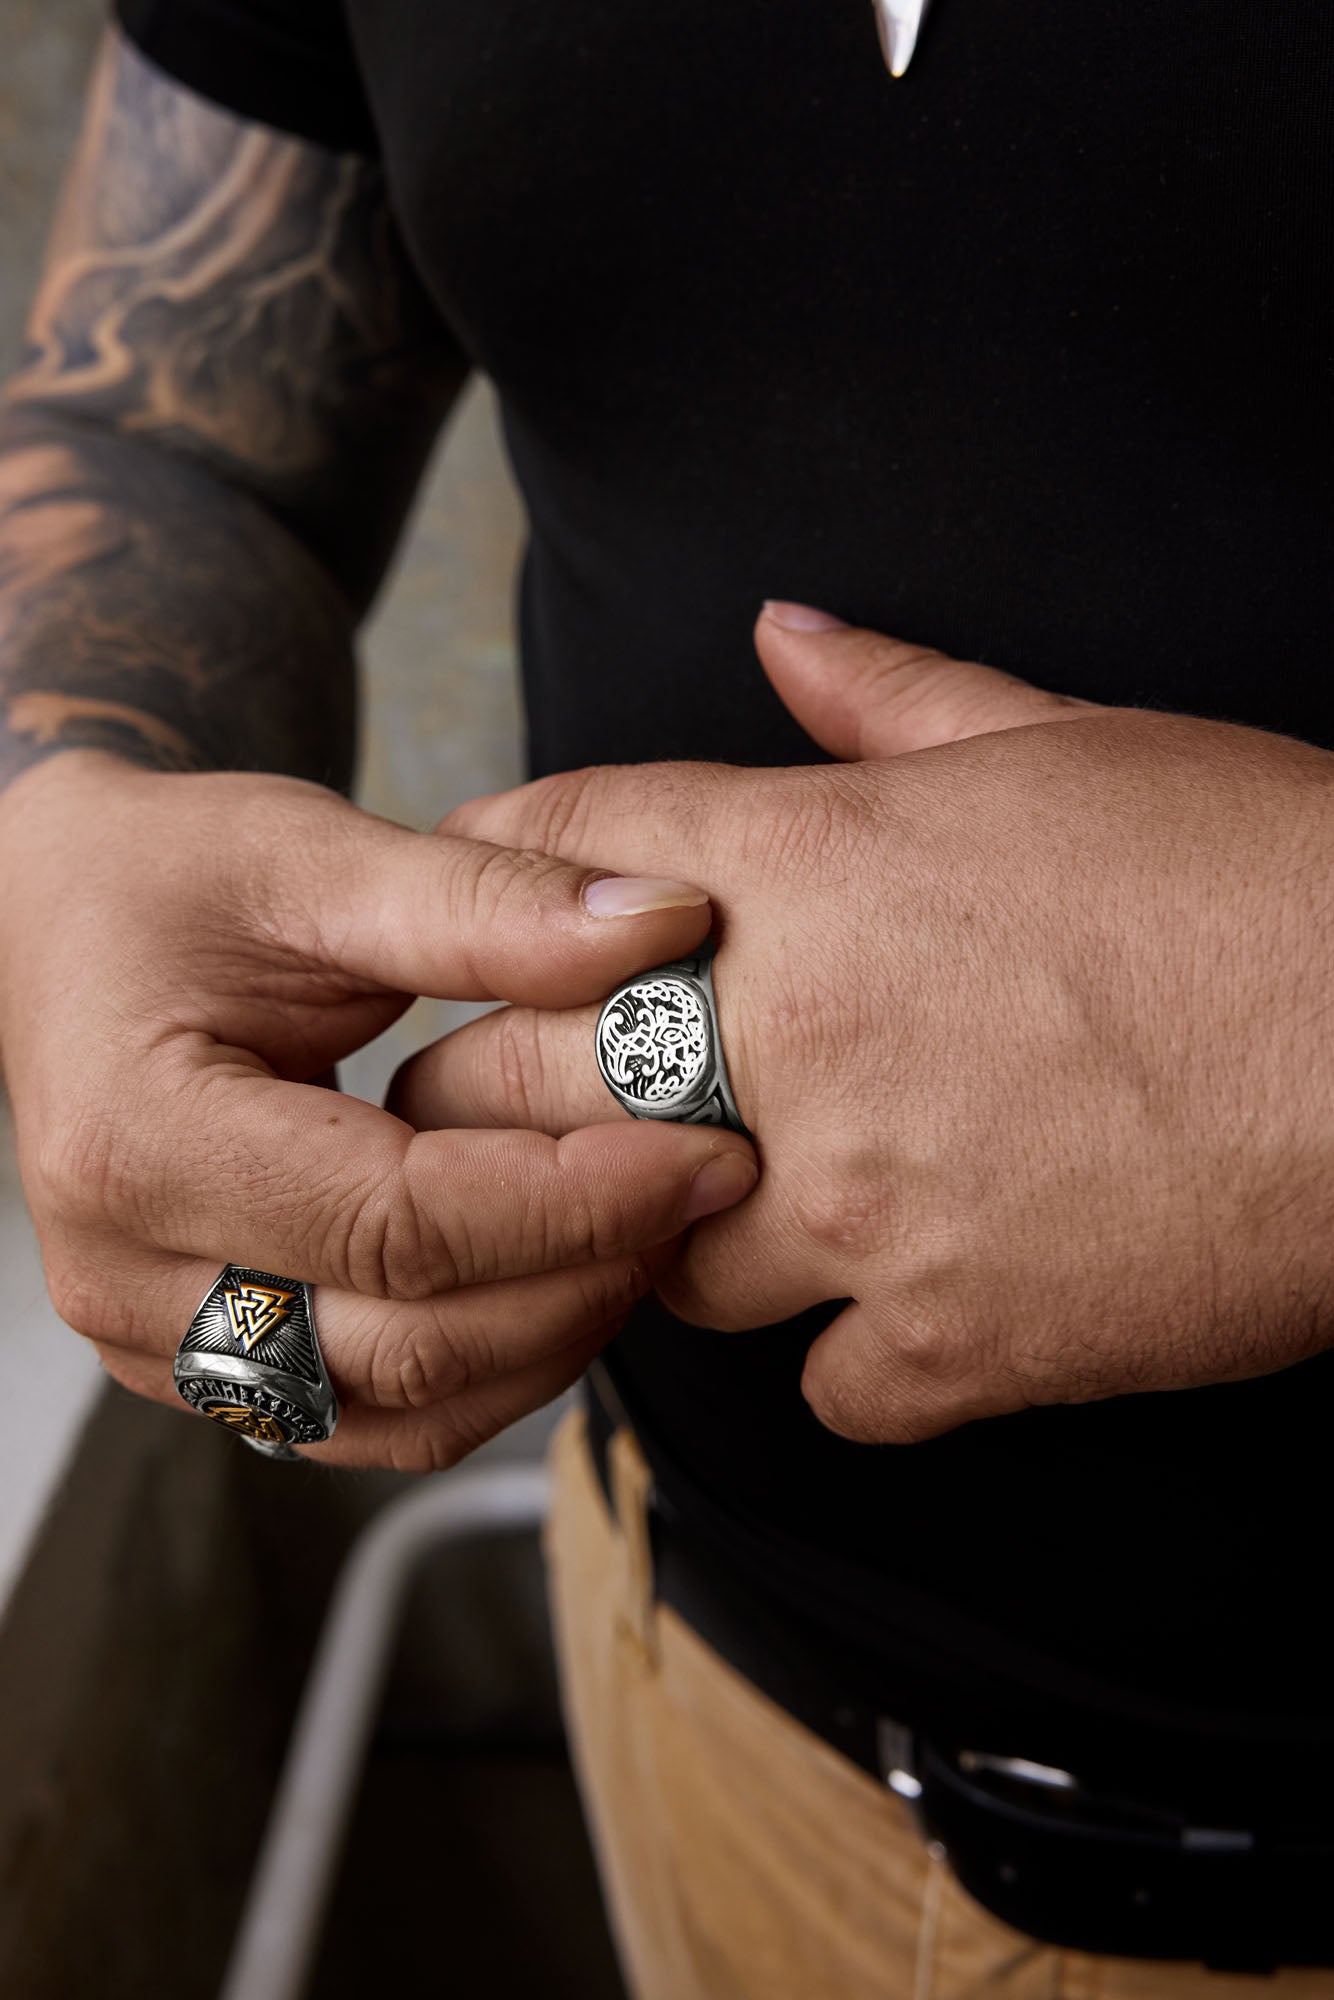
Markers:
point(417, 1362)
point(593, 1297)
point(931, 1345)
point(419, 1444)
point(811, 1012)
point(601, 1235)
point(851, 1411)
point(609, 1290)
point(918, 1373)
point(272, 857)
point(434, 1445)
point(944, 1348)
point(378, 1242)
point(81, 1302)
point(501, 891)
point(577, 1235)
point(558, 807)
point(549, 810)
point(501, 878)
point(576, 1225)
point(84, 1170)
point(409, 1453)
point(102, 1309)
point(332, 1233)
point(898, 670)
point(846, 1209)
point(518, 1057)
point(841, 1399)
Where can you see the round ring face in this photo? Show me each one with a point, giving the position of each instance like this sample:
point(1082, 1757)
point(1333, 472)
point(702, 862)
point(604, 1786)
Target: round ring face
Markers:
point(654, 1044)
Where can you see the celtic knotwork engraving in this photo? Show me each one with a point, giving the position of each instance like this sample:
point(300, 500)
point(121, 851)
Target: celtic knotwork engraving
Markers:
point(653, 1042)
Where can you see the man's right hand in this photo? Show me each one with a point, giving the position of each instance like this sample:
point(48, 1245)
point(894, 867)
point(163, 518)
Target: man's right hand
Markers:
point(182, 957)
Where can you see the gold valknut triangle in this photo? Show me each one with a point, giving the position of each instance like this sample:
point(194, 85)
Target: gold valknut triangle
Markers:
point(254, 1310)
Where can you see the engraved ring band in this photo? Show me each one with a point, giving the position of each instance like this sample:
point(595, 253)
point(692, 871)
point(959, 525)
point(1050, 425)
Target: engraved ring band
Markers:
point(659, 1050)
point(251, 1360)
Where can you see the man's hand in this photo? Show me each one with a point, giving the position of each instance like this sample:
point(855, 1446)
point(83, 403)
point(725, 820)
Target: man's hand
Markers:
point(182, 958)
point(1027, 1004)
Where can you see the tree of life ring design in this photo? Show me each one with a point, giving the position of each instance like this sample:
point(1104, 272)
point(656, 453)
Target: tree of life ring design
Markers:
point(653, 1042)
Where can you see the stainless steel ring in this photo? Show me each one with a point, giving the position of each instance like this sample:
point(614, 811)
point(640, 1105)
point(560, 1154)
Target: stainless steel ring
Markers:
point(659, 1049)
point(251, 1360)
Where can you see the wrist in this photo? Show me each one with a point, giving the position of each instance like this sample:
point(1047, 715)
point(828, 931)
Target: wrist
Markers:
point(72, 775)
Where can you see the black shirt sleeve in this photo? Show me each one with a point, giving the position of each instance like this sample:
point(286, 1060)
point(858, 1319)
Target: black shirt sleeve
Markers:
point(285, 63)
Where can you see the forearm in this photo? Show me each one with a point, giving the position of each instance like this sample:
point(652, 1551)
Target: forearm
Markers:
point(232, 381)
point(148, 608)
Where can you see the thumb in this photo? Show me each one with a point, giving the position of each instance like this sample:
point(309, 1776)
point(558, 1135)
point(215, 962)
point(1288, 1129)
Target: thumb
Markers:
point(462, 919)
point(860, 694)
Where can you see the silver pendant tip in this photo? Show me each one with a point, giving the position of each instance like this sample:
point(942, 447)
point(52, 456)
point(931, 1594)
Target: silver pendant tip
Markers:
point(898, 23)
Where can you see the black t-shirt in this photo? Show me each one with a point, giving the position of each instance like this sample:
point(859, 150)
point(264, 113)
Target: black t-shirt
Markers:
point(1030, 356)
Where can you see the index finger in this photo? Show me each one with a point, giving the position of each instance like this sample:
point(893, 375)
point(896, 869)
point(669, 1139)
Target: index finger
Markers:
point(286, 1177)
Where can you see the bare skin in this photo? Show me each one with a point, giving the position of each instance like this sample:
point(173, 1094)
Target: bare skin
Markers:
point(232, 384)
point(1027, 1003)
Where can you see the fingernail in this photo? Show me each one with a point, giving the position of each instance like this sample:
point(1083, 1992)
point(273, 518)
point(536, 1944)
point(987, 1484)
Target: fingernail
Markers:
point(720, 1183)
point(635, 895)
point(801, 617)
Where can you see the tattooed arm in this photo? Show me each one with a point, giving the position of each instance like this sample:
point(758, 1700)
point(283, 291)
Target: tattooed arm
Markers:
point(232, 384)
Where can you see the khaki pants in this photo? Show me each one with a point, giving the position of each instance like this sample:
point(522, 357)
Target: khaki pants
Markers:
point(741, 1857)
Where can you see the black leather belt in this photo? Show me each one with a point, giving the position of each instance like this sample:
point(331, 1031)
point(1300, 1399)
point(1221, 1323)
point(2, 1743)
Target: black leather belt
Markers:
point(1061, 1862)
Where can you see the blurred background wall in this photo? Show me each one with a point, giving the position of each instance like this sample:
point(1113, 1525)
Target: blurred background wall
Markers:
point(159, 1587)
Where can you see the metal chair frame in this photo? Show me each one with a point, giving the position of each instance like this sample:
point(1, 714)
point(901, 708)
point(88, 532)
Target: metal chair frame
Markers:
point(294, 1872)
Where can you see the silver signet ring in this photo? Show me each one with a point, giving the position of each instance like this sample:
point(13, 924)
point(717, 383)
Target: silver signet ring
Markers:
point(659, 1049)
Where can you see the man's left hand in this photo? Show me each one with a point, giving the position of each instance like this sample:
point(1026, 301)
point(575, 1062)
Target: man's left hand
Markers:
point(1027, 1003)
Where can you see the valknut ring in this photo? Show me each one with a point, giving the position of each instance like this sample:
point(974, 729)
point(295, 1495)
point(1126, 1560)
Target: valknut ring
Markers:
point(251, 1360)
point(659, 1049)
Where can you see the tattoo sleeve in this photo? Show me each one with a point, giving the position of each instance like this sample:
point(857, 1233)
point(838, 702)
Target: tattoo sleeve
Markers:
point(232, 383)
